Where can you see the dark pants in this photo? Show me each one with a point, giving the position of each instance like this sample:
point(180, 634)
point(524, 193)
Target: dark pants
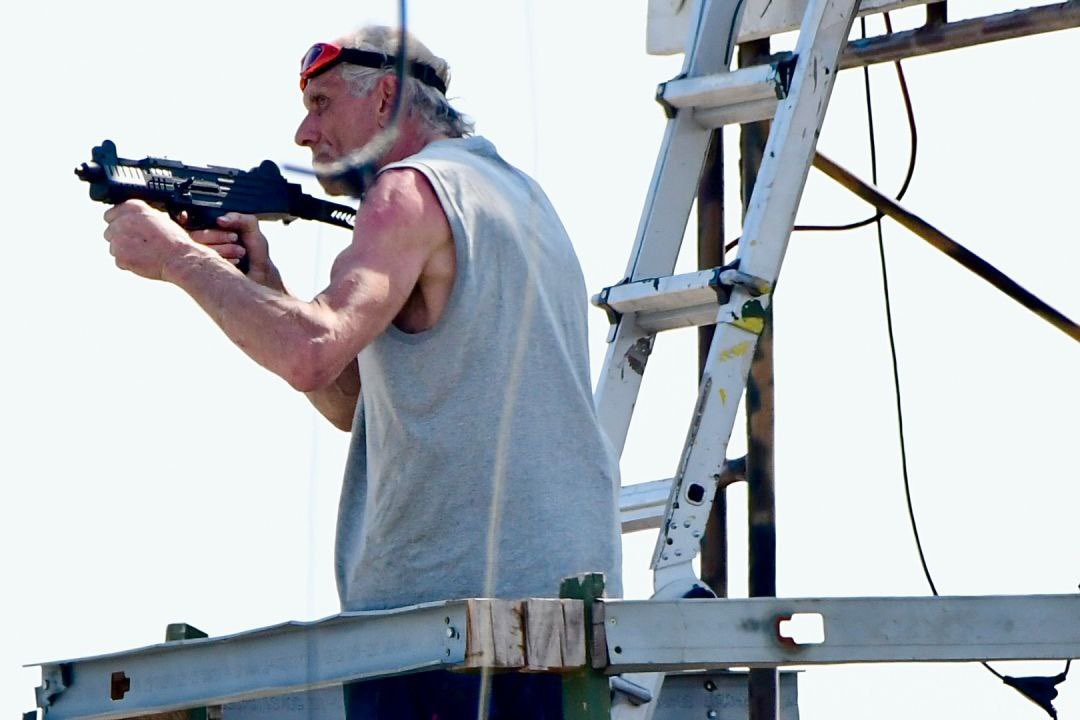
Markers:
point(442, 695)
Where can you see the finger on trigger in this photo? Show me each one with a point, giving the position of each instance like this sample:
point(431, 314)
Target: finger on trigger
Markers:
point(238, 221)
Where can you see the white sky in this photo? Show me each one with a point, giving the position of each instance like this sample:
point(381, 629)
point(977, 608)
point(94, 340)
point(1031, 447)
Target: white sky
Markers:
point(153, 474)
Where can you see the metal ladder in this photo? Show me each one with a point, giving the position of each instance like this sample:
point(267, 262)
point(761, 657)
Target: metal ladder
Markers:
point(795, 92)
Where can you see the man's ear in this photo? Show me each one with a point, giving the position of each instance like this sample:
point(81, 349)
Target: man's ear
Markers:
point(387, 90)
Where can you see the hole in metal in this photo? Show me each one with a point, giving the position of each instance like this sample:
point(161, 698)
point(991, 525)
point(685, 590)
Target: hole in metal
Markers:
point(803, 628)
point(695, 493)
point(119, 686)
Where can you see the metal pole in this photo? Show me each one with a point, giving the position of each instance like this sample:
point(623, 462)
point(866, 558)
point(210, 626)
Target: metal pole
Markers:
point(764, 693)
point(937, 13)
point(947, 245)
point(938, 35)
point(710, 226)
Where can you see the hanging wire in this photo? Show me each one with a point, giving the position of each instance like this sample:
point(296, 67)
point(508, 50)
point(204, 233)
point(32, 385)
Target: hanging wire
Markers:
point(913, 134)
point(876, 219)
point(1039, 690)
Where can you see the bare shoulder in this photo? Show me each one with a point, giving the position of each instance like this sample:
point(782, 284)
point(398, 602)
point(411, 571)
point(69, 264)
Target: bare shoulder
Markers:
point(403, 203)
point(401, 237)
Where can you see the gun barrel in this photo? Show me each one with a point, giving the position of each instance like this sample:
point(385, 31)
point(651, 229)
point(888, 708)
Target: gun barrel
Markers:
point(90, 172)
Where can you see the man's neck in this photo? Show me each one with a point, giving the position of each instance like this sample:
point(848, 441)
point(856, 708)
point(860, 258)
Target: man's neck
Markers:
point(412, 139)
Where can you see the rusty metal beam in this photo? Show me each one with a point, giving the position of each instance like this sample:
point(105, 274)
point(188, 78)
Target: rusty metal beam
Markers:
point(710, 227)
point(947, 245)
point(938, 37)
point(763, 684)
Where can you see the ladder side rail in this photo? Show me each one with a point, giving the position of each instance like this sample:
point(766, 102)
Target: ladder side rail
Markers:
point(766, 230)
point(682, 152)
point(663, 220)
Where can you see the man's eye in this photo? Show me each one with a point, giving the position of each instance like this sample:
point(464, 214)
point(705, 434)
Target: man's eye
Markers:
point(321, 102)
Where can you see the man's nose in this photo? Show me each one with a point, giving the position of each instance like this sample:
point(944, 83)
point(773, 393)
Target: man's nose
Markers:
point(305, 134)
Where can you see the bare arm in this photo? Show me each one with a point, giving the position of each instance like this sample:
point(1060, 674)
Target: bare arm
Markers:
point(309, 344)
point(337, 401)
point(240, 235)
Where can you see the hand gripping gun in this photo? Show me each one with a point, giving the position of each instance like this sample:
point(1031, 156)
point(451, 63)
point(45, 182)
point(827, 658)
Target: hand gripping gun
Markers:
point(205, 194)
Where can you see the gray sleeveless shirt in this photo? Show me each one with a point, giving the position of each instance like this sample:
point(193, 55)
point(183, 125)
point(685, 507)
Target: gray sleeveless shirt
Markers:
point(477, 466)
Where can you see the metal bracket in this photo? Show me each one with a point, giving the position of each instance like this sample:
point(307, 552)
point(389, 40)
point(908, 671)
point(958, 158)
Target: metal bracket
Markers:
point(670, 111)
point(55, 679)
point(731, 276)
point(785, 70)
point(600, 300)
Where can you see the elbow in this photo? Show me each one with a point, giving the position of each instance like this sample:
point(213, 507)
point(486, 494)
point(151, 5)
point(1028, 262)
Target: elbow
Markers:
point(311, 368)
point(306, 378)
point(314, 356)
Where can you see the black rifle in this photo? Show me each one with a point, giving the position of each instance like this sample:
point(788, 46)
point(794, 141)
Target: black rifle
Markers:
point(205, 194)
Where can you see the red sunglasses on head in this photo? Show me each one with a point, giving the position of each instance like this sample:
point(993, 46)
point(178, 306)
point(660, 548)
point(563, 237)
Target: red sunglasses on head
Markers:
point(323, 56)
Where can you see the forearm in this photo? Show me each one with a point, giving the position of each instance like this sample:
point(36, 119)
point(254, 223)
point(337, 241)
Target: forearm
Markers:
point(286, 335)
point(269, 277)
point(337, 401)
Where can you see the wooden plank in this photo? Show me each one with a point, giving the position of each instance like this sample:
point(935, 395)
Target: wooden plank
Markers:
point(572, 639)
point(508, 633)
point(537, 635)
point(495, 636)
point(669, 20)
point(479, 636)
point(544, 628)
point(763, 18)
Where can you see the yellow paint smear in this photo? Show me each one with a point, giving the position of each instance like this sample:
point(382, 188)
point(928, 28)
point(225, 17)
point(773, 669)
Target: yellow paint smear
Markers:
point(723, 396)
point(734, 351)
point(751, 324)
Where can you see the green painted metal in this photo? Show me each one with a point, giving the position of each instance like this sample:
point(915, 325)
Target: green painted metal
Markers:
point(586, 692)
point(182, 631)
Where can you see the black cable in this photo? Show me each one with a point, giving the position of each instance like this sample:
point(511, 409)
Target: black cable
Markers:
point(1039, 690)
point(888, 316)
point(912, 132)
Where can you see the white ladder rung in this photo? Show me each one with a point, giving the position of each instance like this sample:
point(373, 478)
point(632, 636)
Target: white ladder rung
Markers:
point(714, 118)
point(727, 98)
point(642, 506)
point(666, 302)
point(686, 300)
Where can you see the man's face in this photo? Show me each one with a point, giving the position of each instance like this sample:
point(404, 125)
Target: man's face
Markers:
point(336, 122)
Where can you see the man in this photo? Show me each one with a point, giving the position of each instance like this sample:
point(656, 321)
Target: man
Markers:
point(451, 341)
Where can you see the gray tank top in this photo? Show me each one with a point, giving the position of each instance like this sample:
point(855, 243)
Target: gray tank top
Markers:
point(477, 466)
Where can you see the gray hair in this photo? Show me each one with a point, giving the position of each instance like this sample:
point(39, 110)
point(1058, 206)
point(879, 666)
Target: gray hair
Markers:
point(424, 101)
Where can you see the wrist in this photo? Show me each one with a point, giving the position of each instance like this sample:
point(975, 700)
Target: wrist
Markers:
point(268, 276)
point(179, 268)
